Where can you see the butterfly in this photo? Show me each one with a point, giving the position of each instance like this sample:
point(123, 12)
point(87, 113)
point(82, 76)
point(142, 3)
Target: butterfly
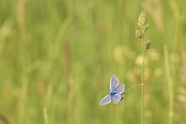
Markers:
point(116, 92)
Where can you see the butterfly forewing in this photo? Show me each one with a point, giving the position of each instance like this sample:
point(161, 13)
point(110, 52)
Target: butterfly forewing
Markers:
point(120, 89)
point(113, 82)
point(105, 100)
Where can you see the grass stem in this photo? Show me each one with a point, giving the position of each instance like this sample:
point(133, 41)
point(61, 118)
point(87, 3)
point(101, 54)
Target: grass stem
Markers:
point(133, 87)
point(45, 115)
point(142, 118)
point(170, 85)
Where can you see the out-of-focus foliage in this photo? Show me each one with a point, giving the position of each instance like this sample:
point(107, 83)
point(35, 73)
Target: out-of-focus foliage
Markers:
point(57, 57)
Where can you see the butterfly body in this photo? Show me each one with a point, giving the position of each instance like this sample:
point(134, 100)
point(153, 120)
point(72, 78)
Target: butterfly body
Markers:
point(116, 90)
point(111, 93)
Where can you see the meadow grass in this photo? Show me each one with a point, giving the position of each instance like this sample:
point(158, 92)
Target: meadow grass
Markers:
point(143, 24)
point(57, 57)
point(169, 85)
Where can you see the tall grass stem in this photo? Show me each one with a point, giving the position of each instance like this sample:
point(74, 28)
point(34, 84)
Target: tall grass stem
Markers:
point(170, 85)
point(142, 119)
point(45, 115)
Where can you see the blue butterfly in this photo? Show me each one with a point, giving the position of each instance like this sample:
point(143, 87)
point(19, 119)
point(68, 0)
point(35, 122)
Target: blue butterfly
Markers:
point(116, 92)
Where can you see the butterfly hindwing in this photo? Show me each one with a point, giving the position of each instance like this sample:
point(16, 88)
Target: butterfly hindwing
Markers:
point(116, 98)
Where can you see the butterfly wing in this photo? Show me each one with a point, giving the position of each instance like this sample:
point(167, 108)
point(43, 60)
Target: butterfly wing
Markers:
point(106, 100)
point(116, 98)
point(113, 82)
point(120, 89)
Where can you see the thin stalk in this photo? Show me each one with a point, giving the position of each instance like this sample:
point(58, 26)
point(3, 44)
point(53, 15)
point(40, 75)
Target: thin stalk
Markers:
point(170, 85)
point(45, 115)
point(142, 118)
point(132, 87)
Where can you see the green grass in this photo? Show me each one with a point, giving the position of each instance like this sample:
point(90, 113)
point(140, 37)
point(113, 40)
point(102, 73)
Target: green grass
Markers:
point(57, 57)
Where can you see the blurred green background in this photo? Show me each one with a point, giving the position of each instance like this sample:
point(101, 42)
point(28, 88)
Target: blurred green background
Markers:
point(57, 57)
